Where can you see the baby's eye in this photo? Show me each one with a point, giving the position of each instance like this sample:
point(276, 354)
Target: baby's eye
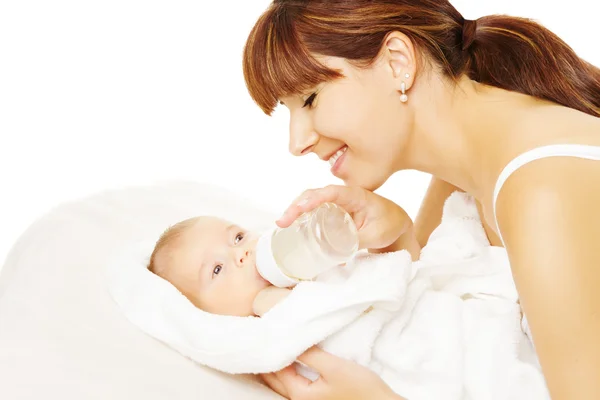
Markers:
point(217, 269)
point(238, 238)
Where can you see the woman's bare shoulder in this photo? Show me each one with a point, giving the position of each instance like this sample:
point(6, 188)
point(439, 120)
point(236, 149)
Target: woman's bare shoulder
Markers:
point(563, 172)
point(551, 183)
point(548, 213)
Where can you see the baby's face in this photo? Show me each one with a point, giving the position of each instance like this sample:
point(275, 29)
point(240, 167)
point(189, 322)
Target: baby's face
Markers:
point(214, 266)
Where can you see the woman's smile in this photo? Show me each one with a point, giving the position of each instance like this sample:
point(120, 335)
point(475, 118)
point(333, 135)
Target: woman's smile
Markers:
point(337, 160)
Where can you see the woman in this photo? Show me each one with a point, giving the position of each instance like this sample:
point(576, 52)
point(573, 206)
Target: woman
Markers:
point(498, 107)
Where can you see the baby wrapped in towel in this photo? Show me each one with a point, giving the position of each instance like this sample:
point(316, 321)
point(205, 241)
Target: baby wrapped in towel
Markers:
point(451, 329)
point(212, 262)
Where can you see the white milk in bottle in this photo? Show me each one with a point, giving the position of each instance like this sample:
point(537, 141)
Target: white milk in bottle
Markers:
point(316, 242)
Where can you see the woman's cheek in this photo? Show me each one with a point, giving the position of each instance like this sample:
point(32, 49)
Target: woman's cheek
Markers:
point(336, 122)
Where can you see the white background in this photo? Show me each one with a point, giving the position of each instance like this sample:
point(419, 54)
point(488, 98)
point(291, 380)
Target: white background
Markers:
point(102, 94)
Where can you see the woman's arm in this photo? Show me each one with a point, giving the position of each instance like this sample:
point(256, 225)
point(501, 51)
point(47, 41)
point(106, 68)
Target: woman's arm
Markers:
point(407, 241)
point(430, 212)
point(340, 379)
point(550, 223)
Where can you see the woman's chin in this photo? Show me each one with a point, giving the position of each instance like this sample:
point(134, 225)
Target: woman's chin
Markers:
point(365, 183)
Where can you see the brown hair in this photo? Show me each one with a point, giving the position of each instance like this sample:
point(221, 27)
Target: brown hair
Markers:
point(159, 258)
point(511, 53)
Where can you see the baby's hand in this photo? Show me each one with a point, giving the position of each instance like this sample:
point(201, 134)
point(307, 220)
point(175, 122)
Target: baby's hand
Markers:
point(267, 298)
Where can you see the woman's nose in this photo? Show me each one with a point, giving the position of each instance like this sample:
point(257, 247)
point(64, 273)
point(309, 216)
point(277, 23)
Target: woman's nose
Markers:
point(300, 148)
point(302, 137)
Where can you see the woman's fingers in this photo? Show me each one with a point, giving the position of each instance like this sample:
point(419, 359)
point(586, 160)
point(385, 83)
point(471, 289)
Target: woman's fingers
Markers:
point(349, 198)
point(274, 383)
point(321, 361)
point(339, 379)
point(307, 201)
point(295, 385)
point(379, 221)
point(292, 385)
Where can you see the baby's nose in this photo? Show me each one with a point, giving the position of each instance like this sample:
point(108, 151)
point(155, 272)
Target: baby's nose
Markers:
point(245, 255)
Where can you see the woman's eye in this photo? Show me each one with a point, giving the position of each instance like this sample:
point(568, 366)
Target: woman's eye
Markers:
point(310, 100)
point(238, 238)
point(217, 269)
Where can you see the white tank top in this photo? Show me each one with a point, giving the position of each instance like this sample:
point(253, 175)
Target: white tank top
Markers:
point(556, 150)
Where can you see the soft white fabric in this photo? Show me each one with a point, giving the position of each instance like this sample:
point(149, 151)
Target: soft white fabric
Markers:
point(249, 344)
point(444, 327)
point(61, 334)
point(457, 334)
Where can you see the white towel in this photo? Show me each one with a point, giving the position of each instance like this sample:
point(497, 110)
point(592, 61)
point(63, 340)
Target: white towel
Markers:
point(446, 326)
point(312, 312)
point(457, 334)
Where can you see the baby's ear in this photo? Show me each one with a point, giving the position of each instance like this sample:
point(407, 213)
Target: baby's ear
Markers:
point(267, 298)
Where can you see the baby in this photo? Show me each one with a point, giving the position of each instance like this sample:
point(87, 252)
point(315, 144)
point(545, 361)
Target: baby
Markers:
point(212, 262)
point(456, 332)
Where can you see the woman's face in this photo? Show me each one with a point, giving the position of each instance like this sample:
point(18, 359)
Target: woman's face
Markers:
point(356, 123)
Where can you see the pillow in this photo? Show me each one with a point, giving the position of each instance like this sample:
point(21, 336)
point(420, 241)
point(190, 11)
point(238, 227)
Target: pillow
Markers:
point(61, 334)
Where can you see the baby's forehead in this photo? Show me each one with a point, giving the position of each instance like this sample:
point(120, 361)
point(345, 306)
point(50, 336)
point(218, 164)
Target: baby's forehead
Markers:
point(198, 237)
point(208, 228)
point(210, 223)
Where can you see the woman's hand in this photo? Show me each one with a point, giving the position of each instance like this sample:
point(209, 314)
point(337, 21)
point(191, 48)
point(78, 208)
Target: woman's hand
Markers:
point(340, 380)
point(381, 223)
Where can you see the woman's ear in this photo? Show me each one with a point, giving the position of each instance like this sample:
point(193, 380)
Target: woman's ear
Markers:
point(399, 55)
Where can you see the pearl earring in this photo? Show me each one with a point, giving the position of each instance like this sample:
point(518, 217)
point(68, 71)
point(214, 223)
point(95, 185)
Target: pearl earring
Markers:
point(403, 96)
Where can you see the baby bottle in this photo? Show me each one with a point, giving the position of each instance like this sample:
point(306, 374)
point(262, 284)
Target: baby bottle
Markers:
point(316, 242)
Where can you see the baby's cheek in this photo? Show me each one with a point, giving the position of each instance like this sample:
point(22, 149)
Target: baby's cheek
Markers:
point(195, 299)
point(188, 290)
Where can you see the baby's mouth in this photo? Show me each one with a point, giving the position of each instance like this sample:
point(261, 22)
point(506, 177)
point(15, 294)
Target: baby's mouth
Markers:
point(259, 276)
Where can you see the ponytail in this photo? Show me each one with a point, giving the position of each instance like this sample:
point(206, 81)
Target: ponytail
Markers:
point(520, 55)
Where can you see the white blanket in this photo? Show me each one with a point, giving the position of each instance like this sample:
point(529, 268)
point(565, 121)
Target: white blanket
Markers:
point(446, 327)
point(458, 332)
